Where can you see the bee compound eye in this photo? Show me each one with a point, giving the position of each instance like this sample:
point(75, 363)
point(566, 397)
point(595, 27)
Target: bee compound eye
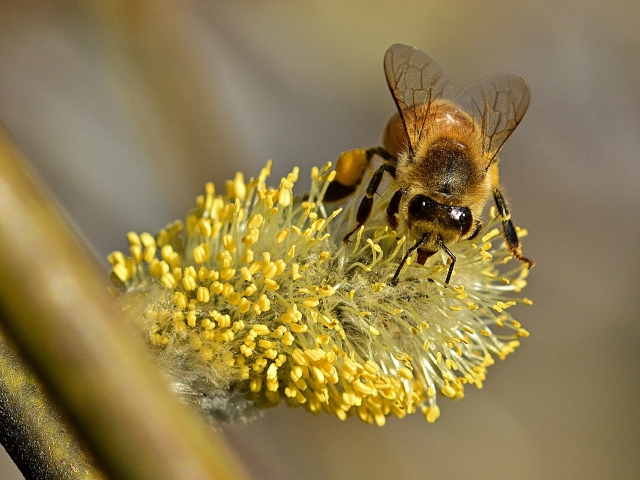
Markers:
point(421, 207)
point(462, 216)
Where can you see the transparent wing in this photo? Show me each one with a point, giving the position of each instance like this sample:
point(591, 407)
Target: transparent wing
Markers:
point(415, 81)
point(497, 104)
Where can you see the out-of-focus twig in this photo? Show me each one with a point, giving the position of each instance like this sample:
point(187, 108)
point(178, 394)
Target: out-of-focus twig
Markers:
point(31, 429)
point(58, 312)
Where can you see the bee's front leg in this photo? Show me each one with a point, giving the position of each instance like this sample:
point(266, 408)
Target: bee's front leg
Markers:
point(394, 207)
point(364, 210)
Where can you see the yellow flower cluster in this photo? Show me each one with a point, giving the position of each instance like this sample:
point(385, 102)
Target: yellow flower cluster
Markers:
point(256, 299)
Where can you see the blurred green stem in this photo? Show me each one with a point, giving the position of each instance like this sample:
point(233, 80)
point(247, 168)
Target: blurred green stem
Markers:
point(31, 429)
point(59, 314)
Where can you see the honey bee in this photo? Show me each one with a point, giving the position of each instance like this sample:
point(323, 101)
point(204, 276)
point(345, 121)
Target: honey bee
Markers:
point(442, 150)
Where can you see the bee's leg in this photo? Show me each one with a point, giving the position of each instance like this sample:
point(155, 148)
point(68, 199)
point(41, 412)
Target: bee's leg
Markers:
point(416, 246)
point(453, 261)
point(350, 168)
point(508, 230)
point(364, 210)
point(394, 207)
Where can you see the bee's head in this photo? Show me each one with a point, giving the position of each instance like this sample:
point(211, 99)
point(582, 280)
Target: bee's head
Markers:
point(428, 216)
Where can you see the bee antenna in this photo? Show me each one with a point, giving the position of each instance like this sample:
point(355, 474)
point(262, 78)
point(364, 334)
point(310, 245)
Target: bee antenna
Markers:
point(413, 248)
point(453, 261)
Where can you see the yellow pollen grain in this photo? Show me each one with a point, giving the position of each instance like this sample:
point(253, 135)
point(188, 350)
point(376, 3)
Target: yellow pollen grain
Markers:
point(147, 239)
point(189, 283)
point(266, 344)
point(432, 413)
point(224, 321)
point(271, 284)
point(298, 328)
point(486, 255)
point(149, 253)
point(116, 257)
point(282, 235)
point(136, 253)
point(244, 305)
point(251, 237)
point(207, 324)
point(203, 294)
point(248, 256)
point(260, 329)
point(191, 319)
point(255, 267)
point(227, 289)
point(371, 367)
point(311, 302)
point(374, 330)
point(264, 303)
point(486, 246)
point(326, 291)
point(281, 265)
point(122, 272)
point(255, 384)
point(448, 391)
point(296, 373)
point(227, 273)
point(455, 308)
point(295, 272)
point(425, 346)
point(318, 225)
point(270, 270)
point(284, 198)
point(323, 256)
point(246, 274)
point(229, 243)
point(493, 233)
point(204, 225)
point(225, 259)
point(133, 239)
point(361, 388)
point(180, 300)
point(299, 357)
point(255, 221)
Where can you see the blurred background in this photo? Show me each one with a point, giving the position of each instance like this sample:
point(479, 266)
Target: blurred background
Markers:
point(127, 108)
